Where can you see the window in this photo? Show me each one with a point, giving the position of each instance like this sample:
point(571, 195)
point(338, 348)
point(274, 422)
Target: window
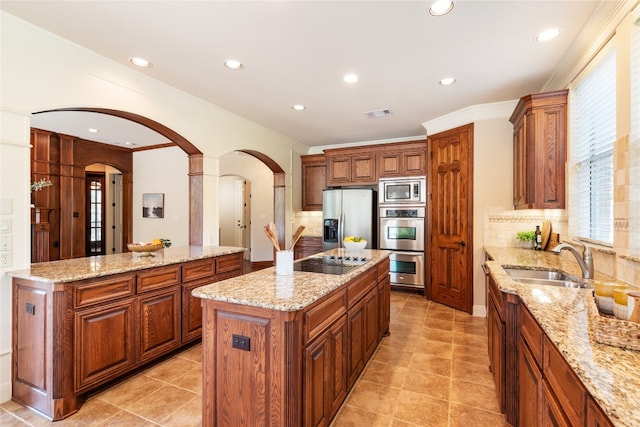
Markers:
point(593, 133)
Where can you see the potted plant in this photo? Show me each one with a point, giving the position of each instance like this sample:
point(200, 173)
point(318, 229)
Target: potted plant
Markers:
point(528, 238)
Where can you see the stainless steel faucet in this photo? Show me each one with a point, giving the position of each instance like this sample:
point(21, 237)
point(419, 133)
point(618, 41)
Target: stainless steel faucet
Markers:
point(585, 259)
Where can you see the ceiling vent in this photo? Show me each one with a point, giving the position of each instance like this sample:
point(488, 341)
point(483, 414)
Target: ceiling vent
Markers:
point(378, 113)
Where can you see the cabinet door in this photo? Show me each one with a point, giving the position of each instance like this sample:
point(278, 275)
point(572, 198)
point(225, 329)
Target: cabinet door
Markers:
point(529, 388)
point(550, 157)
point(363, 169)
point(317, 382)
point(519, 165)
point(314, 178)
point(595, 416)
point(159, 323)
point(356, 341)
point(338, 170)
point(414, 162)
point(104, 343)
point(390, 165)
point(496, 342)
point(552, 413)
point(371, 311)
point(339, 349)
point(191, 312)
point(384, 304)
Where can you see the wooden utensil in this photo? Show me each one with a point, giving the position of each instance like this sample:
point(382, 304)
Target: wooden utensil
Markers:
point(271, 232)
point(546, 233)
point(296, 236)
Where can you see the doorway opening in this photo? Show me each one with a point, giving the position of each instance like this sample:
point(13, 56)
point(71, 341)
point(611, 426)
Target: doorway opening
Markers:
point(235, 212)
point(104, 210)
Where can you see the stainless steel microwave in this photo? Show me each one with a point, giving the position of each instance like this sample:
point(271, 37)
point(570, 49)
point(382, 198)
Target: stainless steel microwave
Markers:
point(403, 191)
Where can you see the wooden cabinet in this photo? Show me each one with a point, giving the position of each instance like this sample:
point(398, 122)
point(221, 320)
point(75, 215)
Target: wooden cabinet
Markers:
point(307, 246)
point(309, 358)
point(595, 417)
point(539, 151)
point(314, 179)
point(104, 343)
point(351, 168)
point(407, 159)
point(325, 370)
point(384, 299)
point(70, 338)
point(552, 413)
point(530, 388)
point(496, 337)
point(159, 323)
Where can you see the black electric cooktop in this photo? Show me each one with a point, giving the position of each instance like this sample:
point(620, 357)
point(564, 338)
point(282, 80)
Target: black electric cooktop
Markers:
point(329, 264)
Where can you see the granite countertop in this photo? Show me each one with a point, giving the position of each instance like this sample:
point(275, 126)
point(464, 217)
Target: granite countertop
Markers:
point(70, 270)
point(265, 289)
point(567, 316)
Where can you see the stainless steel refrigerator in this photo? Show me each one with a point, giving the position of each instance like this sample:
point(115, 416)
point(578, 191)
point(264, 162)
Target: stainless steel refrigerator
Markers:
point(349, 212)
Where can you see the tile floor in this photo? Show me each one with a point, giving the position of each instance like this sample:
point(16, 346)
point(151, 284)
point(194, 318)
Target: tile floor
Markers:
point(431, 371)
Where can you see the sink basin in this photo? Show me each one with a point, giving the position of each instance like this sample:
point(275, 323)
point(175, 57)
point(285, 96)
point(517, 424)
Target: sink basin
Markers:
point(544, 277)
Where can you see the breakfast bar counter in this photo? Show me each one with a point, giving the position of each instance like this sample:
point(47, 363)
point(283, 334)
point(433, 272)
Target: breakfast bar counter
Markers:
point(568, 318)
point(284, 350)
point(81, 323)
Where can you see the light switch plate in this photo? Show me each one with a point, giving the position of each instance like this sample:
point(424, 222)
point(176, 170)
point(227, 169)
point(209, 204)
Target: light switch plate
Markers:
point(5, 225)
point(5, 242)
point(6, 206)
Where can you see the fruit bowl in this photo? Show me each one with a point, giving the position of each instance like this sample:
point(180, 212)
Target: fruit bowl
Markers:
point(145, 249)
point(354, 246)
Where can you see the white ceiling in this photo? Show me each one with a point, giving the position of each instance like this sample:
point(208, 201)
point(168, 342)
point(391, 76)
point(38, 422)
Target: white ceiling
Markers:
point(298, 51)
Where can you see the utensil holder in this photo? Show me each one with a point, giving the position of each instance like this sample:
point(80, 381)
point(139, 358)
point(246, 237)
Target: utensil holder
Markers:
point(284, 263)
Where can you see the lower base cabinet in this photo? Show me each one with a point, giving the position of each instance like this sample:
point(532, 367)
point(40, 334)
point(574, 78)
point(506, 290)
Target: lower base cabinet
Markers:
point(71, 338)
point(312, 359)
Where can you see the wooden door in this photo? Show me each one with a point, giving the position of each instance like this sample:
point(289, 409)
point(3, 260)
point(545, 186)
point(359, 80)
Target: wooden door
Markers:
point(450, 260)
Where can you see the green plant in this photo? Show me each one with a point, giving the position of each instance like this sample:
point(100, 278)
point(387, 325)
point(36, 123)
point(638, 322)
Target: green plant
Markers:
point(39, 185)
point(526, 236)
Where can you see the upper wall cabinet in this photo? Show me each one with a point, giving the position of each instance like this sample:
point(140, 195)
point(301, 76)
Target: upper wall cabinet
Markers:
point(365, 165)
point(355, 166)
point(406, 159)
point(314, 173)
point(539, 151)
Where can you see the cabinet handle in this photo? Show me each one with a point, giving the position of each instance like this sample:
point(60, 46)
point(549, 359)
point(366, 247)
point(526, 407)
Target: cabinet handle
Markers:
point(463, 243)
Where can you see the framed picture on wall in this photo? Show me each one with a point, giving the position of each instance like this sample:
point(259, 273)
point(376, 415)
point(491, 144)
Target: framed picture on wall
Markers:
point(153, 205)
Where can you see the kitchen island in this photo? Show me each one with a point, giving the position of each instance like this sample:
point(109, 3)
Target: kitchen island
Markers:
point(286, 350)
point(556, 369)
point(83, 322)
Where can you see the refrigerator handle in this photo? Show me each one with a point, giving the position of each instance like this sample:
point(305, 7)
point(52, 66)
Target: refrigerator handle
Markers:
point(341, 230)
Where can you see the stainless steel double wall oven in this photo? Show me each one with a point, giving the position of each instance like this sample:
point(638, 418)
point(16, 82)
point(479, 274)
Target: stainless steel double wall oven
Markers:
point(402, 206)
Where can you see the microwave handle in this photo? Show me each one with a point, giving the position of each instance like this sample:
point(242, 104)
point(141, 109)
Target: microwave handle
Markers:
point(341, 230)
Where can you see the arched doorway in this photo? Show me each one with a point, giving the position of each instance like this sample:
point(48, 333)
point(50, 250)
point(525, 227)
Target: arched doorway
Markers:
point(196, 169)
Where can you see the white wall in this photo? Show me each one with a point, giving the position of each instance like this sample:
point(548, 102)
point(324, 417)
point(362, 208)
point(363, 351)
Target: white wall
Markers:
point(261, 179)
point(166, 171)
point(41, 71)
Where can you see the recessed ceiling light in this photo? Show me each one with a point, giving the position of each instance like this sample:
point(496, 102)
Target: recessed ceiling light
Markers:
point(441, 7)
point(299, 107)
point(129, 144)
point(233, 64)
point(93, 130)
point(350, 78)
point(547, 35)
point(140, 62)
point(447, 81)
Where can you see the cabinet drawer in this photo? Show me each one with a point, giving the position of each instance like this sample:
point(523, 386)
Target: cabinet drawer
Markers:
point(93, 291)
point(158, 278)
point(531, 334)
point(360, 286)
point(383, 269)
point(198, 269)
point(323, 314)
point(566, 386)
point(227, 263)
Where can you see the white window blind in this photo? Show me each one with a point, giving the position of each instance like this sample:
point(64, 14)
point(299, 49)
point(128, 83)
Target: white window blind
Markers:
point(635, 84)
point(593, 133)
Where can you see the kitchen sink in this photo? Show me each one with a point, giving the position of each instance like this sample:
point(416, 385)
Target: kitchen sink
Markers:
point(544, 277)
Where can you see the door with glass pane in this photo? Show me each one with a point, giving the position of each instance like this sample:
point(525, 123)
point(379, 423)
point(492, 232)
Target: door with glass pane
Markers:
point(95, 225)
